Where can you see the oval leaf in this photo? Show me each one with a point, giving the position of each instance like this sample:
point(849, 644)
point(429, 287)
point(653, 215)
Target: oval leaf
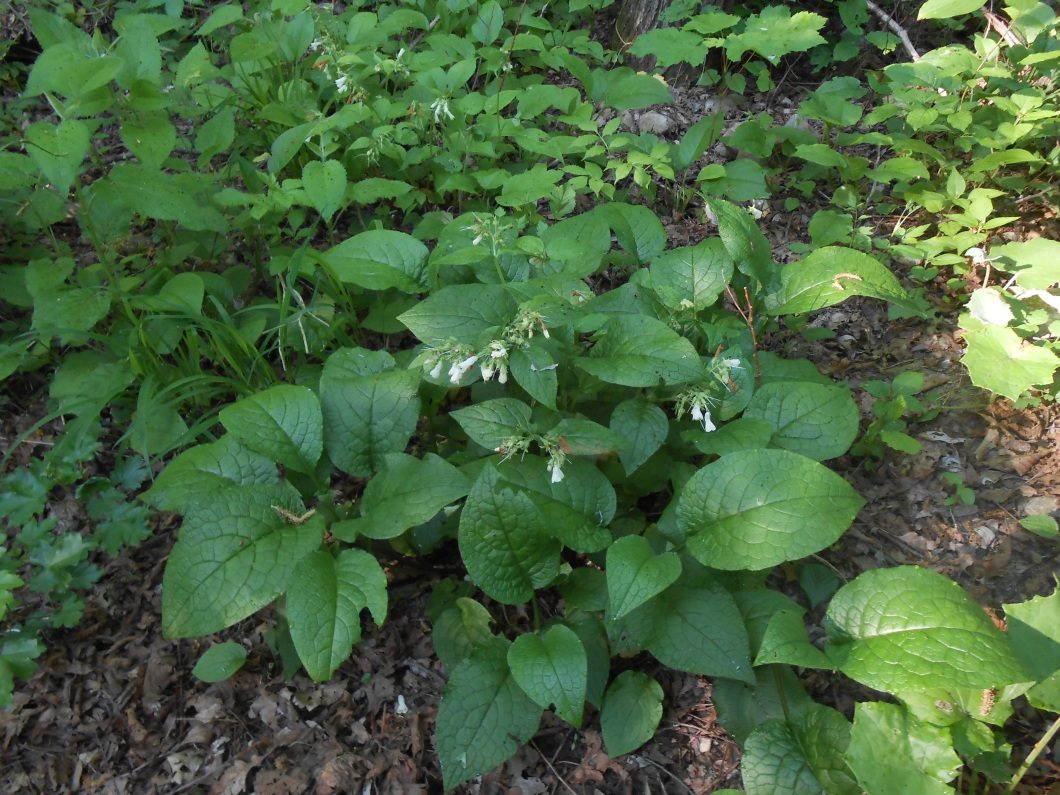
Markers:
point(631, 712)
point(552, 668)
point(753, 509)
point(220, 662)
point(283, 422)
point(814, 420)
point(635, 574)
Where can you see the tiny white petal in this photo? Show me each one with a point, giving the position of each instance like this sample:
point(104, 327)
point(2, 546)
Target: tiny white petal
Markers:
point(697, 412)
point(557, 474)
point(401, 707)
point(733, 364)
point(437, 371)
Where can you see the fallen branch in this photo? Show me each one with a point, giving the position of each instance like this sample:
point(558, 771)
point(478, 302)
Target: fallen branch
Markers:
point(898, 29)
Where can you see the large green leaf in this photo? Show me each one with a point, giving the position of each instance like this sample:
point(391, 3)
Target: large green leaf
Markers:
point(167, 197)
point(234, 555)
point(776, 32)
point(204, 469)
point(325, 597)
point(695, 628)
point(999, 360)
point(495, 423)
point(833, 274)
point(484, 716)
point(635, 574)
point(461, 312)
point(638, 229)
point(946, 9)
point(753, 509)
point(787, 641)
point(58, 150)
point(694, 274)
point(814, 420)
point(802, 757)
point(552, 668)
point(508, 550)
point(631, 712)
point(407, 492)
point(890, 751)
point(576, 510)
point(459, 630)
point(378, 260)
point(325, 185)
point(1035, 262)
point(644, 426)
point(367, 417)
point(283, 422)
point(1034, 628)
point(743, 240)
point(908, 629)
point(640, 351)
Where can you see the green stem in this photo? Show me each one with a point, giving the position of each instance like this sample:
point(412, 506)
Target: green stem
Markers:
point(780, 692)
point(1039, 746)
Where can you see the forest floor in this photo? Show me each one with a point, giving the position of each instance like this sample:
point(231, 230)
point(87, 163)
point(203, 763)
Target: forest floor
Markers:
point(115, 709)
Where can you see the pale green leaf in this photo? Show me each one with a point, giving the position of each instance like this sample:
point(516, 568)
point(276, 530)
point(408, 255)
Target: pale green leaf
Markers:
point(890, 751)
point(325, 186)
point(461, 311)
point(754, 509)
point(695, 274)
point(814, 420)
point(907, 629)
point(552, 668)
point(1035, 262)
point(947, 9)
point(776, 32)
point(1034, 628)
point(787, 641)
point(379, 260)
point(830, 275)
point(283, 422)
point(484, 717)
point(999, 360)
point(58, 150)
point(645, 427)
point(204, 469)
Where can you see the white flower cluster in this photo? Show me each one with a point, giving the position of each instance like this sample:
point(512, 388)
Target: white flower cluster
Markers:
point(496, 363)
point(440, 107)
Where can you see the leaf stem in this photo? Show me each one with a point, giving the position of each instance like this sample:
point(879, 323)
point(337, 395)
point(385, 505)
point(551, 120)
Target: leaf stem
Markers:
point(1036, 751)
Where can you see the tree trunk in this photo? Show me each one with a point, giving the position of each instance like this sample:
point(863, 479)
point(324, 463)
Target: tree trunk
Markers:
point(640, 16)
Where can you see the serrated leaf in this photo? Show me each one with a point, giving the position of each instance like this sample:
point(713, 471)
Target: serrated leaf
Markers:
point(694, 628)
point(504, 544)
point(552, 668)
point(908, 629)
point(459, 630)
point(631, 712)
point(645, 427)
point(407, 492)
point(495, 423)
point(283, 422)
point(697, 274)
point(671, 46)
point(461, 312)
point(234, 555)
point(325, 186)
point(641, 351)
point(754, 509)
point(201, 470)
point(814, 420)
point(889, 751)
point(325, 597)
point(367, 417)
point(635, 574)
point(830, 275)
point(219, 662)
point(805, 755)
point(379, 260)
point(484, 717)
point(999, 360)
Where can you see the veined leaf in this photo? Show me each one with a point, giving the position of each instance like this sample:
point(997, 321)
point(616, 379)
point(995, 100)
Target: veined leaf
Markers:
point(234, 555)
point(495, 423)
point(830, 275)
point(484, 716)
point(201, 470)
point(890, 750)
point(804, 755)
point(645, 427)
point(631, 712)
point(325, 597)
point(814, 420)
point(635, 574)
point(219, 662)
point(999, 360)
point(379, 260)
point(459, 630)
point(461, 312)
point(284, 422)
point(907, 629)
point(641, 351)
point(753, 509)
point(552, 668)
point(692, 273)
point(407, 492)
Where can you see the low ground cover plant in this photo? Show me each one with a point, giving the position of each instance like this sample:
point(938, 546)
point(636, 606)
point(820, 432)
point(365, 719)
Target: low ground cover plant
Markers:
point(352, 265)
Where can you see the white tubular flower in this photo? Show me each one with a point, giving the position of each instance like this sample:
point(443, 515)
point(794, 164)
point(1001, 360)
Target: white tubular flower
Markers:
point(733, 364)
point(441, 108)
point(315, 45)
point(708, 425)
point(502, 374)
point(456, 372)
point(553, 466)
point(342, 84)
point(498, 351)
point(697, 412)
point(487, 372)
point(437, 371)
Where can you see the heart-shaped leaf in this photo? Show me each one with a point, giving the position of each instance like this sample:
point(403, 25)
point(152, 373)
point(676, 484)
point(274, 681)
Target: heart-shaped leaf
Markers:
point(324, 185)
point(635, 574)
point(552, 668)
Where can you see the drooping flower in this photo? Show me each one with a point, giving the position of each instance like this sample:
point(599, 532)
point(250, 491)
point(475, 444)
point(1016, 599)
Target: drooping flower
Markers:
point(700, 412)
point(437, 371)
point(554, 467)
point(342, 84)
point(456, 372)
